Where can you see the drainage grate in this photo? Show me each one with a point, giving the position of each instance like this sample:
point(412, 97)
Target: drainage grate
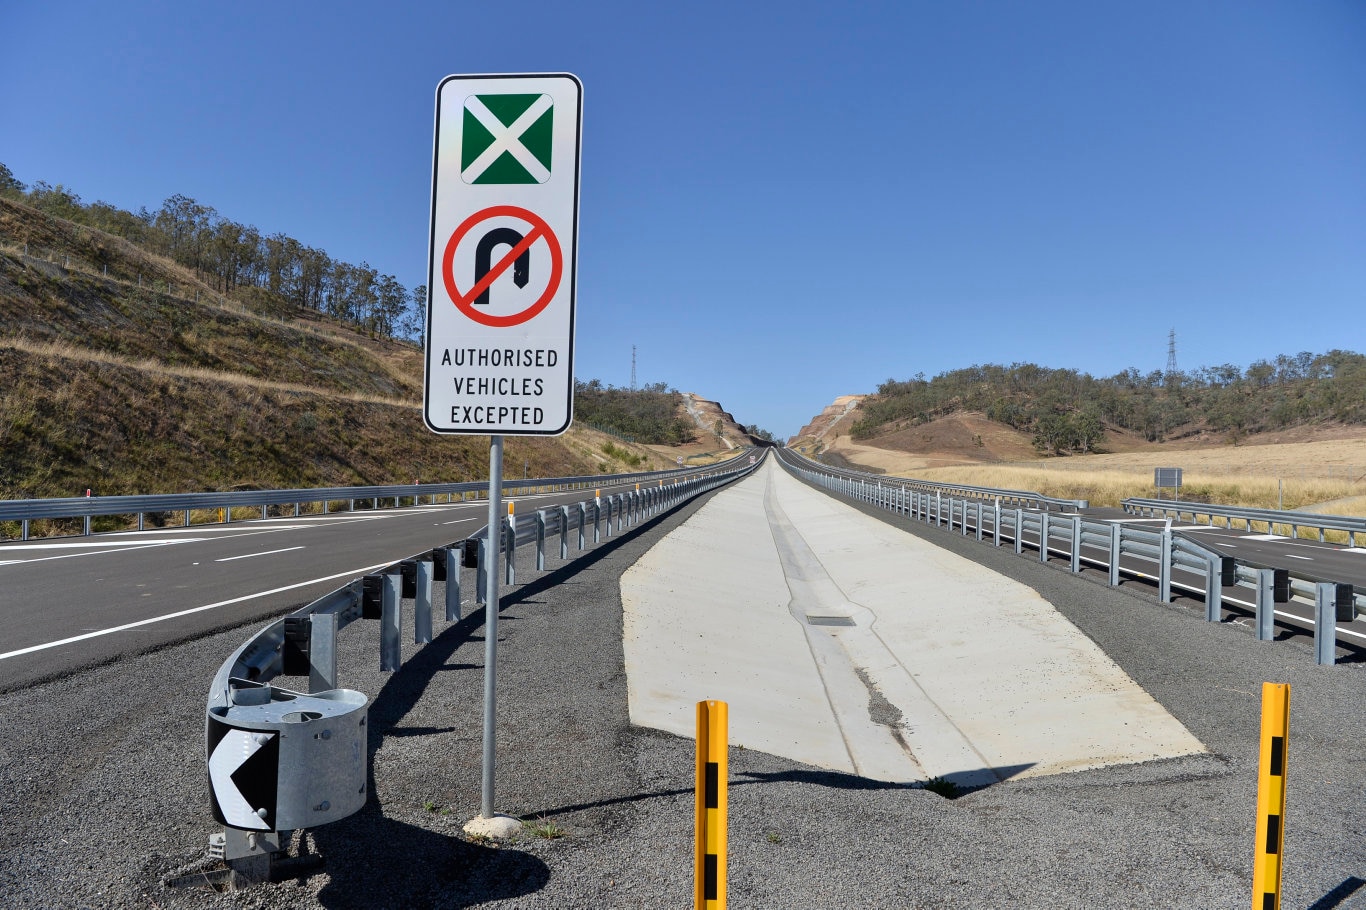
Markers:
point(829, 620)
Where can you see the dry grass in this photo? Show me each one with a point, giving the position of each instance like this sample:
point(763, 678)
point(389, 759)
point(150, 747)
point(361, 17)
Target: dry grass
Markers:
point(1329, 476)
point(72, 352)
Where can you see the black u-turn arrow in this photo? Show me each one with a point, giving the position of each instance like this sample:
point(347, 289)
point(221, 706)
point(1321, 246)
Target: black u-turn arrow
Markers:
point(483, 259)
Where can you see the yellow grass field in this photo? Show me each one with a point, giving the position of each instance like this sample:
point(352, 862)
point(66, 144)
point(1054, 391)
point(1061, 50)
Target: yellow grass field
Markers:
point(1327, 476)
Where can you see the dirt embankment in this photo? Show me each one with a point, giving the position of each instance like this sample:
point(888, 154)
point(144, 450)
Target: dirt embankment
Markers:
point(835, 418)
point(125, 373)
point(717, 429)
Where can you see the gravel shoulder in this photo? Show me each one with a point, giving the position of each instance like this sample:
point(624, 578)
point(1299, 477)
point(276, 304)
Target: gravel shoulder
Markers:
point(103, 782)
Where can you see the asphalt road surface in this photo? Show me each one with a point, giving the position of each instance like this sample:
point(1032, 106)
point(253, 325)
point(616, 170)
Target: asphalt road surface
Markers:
point(69, 603)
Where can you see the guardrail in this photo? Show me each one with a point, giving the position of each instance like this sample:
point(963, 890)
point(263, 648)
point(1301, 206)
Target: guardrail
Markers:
point(87, 507)
point(1272, 518)
point(1162, 557)
point(1009, 497)
point(282, 759)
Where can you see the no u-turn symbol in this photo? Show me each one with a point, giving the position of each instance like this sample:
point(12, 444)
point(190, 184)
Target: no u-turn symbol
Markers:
point(502, 266)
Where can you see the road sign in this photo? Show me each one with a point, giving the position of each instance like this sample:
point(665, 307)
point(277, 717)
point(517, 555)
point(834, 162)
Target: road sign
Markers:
point(501, 266)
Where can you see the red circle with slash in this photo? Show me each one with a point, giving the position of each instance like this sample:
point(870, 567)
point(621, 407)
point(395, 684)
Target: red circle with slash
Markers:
point(464, 300)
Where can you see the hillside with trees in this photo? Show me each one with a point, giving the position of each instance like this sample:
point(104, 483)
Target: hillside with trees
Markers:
point(652, 414)
point(165, 367)
point(1067, 411)
point(232, 258)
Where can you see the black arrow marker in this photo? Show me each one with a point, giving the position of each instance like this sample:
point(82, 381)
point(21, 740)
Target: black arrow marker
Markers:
point(483, 259)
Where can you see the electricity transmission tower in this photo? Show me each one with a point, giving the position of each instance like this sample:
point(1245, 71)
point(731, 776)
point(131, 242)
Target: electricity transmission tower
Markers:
point(633, 368)
point(1171, 354)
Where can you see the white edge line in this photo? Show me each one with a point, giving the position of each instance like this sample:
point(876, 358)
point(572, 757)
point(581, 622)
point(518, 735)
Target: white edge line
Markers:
point(266, 553)
point(192, 610)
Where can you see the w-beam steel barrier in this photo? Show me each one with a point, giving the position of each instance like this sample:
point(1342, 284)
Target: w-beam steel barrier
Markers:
point(284, 759)
point(169, 508)
point(1250, 519)
point(1150, 555)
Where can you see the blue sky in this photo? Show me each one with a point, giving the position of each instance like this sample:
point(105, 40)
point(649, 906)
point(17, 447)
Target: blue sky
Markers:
point(780, 203)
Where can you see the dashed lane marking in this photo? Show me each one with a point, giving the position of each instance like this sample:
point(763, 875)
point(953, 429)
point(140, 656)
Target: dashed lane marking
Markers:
point(250, 555)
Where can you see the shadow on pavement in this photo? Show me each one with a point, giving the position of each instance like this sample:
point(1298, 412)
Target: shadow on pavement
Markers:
point(1339, 894)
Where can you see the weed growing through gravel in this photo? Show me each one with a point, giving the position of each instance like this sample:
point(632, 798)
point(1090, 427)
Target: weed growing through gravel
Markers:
point(943, 786)
point(430, 806)
point(774, 837)
point(545, 829)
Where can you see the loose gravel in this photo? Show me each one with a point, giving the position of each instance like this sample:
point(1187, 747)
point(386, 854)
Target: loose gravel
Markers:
point(103, 785)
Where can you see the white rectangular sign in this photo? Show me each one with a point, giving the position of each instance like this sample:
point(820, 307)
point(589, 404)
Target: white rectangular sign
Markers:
point(501, 261)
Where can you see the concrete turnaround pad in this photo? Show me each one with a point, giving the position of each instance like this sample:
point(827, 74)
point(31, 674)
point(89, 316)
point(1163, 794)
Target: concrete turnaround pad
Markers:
point(845, 643)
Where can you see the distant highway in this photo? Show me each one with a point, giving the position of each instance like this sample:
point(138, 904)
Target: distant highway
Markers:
point(74, 602)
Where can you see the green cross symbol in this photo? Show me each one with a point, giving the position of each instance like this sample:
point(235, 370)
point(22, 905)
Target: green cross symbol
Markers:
point(506, 139)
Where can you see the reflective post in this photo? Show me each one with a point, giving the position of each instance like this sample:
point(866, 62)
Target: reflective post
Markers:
point(709, 851)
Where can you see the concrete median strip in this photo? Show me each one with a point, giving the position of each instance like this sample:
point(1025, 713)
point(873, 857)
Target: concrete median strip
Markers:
point(843, 642)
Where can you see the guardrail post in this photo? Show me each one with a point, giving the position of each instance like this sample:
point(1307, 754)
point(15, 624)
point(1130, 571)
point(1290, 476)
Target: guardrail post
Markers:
point(621, 509)
point(481, 570)
point(1076, 544)
point(187, 517)
point(1219, 571)
point(87, 526)
point(1325, 623)
point(597, 516)
point(452, 585)
point(540, 540)
point(391, 623)
point(981, 510)
point(963, 517)
point(1116, 533)
point(1266, 604)
point(1164, 570)
point(1019, 531)
point(996, 524)
point(564, 532)
point(322, 652)
point(422, 604)
point(1043, 536)
point(24, 529)
point(938, 509)
point(140, 517)
point(583, 525)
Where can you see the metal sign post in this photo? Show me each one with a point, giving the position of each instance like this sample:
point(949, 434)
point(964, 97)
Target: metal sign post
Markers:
point(491, 623)
point(500, 304)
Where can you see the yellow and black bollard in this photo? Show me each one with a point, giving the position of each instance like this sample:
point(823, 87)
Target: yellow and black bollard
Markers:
point(709, 854)
point(1275, 742)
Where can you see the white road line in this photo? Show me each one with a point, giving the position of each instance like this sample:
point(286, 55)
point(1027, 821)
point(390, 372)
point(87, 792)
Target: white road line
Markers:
point(459, 521)
point(192, 610)
point(120, 551)
point(95, 544)
point(1293, 556)
point(250, 555)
